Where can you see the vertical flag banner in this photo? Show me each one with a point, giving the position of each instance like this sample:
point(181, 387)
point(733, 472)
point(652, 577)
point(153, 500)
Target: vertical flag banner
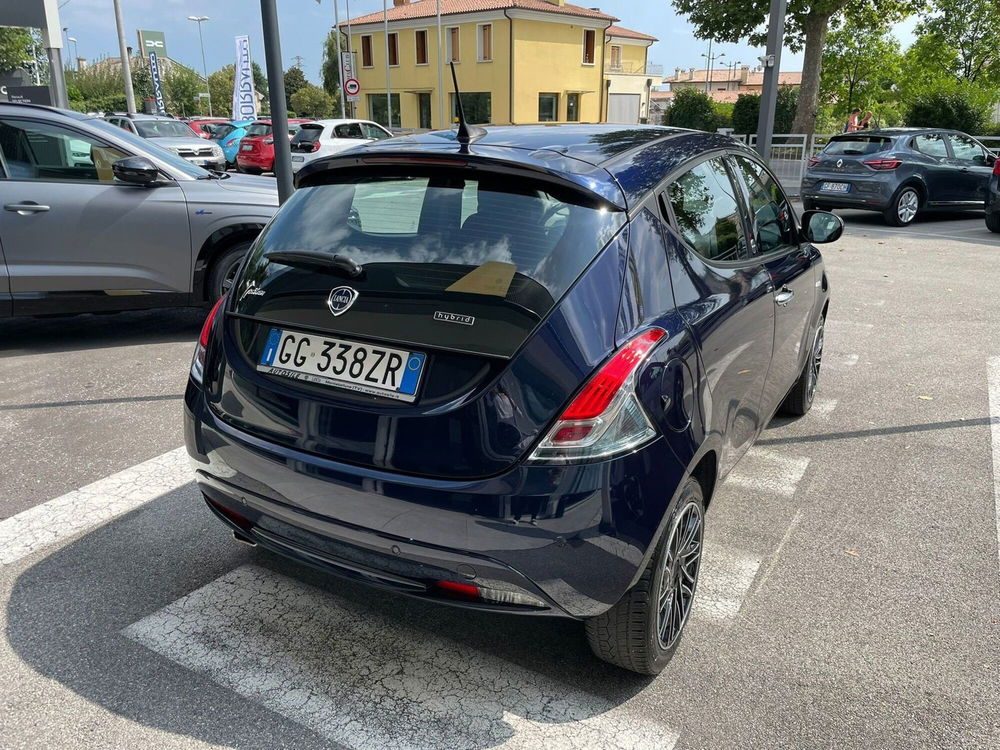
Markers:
point(154, 73)
point(244, 98)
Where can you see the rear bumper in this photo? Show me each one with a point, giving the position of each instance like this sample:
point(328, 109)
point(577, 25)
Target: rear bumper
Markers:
point(263, 162)
point(872, 191)
point(584, 543)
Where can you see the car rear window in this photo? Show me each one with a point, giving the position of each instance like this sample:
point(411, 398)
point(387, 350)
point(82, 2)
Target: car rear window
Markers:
point(258, 129)
point(438, 236)
point(857, 145)
point(308, 134)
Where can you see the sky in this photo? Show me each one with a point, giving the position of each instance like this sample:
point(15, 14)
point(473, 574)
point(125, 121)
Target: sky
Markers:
point(304, 25)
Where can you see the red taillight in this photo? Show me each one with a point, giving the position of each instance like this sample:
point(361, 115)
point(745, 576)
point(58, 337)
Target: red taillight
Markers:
point(597, 394)
point(198, 361)
point(316, 146)
point(268, 141)
point(813, 161)
point(996, 167)
point(883, 164)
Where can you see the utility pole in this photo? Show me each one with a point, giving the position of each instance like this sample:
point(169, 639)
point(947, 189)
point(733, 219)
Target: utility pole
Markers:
point(772, 64)
point(388, 79)
point(276, 93)
point(298, 61)
point(123, 50)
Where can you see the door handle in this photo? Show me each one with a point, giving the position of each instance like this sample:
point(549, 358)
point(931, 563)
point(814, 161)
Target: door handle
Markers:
point(784, 296)
point(28, 207)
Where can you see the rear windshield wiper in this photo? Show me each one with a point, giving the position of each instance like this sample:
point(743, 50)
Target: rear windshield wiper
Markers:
point(318, 261)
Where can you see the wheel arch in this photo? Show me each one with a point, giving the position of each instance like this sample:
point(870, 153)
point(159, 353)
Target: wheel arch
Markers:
point(214, 246)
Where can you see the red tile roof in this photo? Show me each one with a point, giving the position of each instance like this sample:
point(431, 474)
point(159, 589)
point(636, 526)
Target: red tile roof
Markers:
point(792, 78)
point(621, 31)
point(427, 8)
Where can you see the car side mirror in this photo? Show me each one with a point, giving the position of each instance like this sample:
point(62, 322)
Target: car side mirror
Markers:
point(136, 170)
point(821, 227)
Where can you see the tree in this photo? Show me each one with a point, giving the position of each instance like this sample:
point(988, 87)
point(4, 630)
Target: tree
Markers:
point(15, 48)
point(746, 111)
point(861, 65)
point(181, 87)
point(331, 66)
point(970, 28)
point(312, 101)
point(959, 107)
point(806, 26)
point(220, 86)
point(295, 79)
point(691, 109)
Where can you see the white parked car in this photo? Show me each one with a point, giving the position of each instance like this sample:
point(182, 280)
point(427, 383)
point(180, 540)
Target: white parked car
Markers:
point(327, 137)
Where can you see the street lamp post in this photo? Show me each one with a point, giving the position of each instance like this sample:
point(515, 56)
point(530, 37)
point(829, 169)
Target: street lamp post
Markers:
point(711, 59)
point(204, 65)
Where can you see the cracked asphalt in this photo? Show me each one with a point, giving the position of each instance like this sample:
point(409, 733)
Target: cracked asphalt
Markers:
point(850, 599)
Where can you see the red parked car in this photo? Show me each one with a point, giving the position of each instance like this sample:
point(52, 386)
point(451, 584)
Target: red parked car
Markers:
point(204, 127)
point(256, 152)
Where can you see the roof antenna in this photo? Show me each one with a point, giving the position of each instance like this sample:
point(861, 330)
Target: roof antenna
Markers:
point(467, 134)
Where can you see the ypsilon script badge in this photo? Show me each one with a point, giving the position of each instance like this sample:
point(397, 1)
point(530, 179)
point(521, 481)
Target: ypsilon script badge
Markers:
point(341, 299)
point(447, 317)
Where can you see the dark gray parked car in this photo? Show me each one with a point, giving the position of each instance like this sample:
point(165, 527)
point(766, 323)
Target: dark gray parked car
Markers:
point(899, 172)
point(98, 219)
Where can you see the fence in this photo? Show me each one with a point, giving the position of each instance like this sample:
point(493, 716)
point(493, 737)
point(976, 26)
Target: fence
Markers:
point(790, 153)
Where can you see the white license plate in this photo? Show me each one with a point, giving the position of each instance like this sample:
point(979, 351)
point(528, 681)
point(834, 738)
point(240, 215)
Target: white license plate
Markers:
point(298, 158)
point(835, 187)
point(247, 147)
point(367, 368)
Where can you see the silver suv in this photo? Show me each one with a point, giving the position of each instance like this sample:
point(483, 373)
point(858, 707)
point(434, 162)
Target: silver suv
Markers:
point(99, 219)
point(172, 135)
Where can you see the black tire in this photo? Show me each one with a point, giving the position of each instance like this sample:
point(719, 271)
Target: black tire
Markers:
point(903, 208)
point(800, 399)
point(224, 269)
point(629, 634)
point(993, 222)
point(809, 204)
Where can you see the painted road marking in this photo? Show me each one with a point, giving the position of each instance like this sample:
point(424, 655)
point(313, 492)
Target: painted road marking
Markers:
point(822, 407)
point(849, 360)
point(993, 378)
point(723, 582)
point(90, 506)
point(847, 323)
point(770, 472)
point(366, 681)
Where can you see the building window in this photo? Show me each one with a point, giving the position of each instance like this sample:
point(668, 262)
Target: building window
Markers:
point(484, 42)
point(589, 45)
point(572, 108)
point(393, 49)
point(478, 107)
point(420, 38)
point(548, 107)
point(377, 110)
point(366, 52)
point(453, 49)
point(616, 58)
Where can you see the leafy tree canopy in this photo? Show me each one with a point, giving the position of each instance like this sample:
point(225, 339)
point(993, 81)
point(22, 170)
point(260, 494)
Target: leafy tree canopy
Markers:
point(970, 28)
point(958, 105)
point(312, 101)
point(861, 65)
point(691, 108)
point(747, 109)
point(295, 80)
point(15, 48)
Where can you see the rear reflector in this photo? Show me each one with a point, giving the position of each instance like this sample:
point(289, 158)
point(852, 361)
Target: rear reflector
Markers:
point(883, 164)
point(468, 593)
point(453, 590)
point(243, 523)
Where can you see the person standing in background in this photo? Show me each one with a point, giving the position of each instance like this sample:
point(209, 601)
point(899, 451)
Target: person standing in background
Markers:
point(852, 121)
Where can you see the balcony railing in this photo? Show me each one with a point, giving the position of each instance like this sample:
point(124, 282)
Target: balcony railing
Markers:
point(628, 68)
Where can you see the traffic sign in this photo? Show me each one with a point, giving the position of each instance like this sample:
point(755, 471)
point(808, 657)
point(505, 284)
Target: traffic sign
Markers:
point(352, 87)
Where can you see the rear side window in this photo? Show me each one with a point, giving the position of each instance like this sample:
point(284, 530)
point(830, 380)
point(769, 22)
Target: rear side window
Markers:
point(772, 217)
point(349, 130)
point(857, 145)
point(931, 144)
point(374, 132)
point(707, 213)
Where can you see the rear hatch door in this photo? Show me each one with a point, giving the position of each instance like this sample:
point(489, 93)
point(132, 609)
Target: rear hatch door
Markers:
point(407, 319)
point(847, 154)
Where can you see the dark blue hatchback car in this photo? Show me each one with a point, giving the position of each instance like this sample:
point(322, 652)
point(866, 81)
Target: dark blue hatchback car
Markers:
point(509, 374)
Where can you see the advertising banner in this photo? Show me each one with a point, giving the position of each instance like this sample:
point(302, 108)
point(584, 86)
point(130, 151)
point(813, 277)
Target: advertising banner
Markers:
point(244, 97)
point(152, 41)
point(154, 74)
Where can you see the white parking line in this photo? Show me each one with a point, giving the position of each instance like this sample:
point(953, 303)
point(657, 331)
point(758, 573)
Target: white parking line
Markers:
point(849, 360)
point(370, 682)
point(993, 378)
point(822, 407)
point(847, 324)
point(769, 472)
point(723, 582)
point(90, 506)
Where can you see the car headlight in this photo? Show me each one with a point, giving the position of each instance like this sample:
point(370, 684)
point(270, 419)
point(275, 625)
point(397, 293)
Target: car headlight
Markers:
point(217, 152)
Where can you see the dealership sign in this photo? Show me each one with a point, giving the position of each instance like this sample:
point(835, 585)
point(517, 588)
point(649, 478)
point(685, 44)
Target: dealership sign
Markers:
point(244, 97)
point(152, 41)
point(154, 73)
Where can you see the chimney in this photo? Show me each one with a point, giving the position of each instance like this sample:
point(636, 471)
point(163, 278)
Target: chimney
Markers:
point(560, 3)
point(397, 3)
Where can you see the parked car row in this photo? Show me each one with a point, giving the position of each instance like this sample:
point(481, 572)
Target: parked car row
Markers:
point(903, 172)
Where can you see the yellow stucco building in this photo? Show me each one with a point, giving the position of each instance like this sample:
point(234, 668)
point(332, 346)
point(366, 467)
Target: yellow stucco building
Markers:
point(517, 61)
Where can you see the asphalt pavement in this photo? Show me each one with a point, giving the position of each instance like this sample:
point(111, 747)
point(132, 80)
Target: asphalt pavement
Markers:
point(849, 597)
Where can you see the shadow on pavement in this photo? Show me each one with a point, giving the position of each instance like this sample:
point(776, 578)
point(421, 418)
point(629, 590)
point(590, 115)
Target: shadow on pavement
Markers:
point(67, 612)
point(80, 332)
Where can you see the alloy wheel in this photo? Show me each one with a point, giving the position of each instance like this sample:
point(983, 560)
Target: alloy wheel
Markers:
point(679, 577)
point(815, 360)
point(906, 208)
point(230, 275)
